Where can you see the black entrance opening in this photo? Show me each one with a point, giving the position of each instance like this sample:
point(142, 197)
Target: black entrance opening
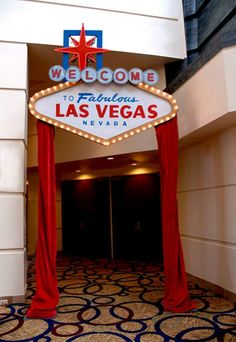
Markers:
point(137, 217)
point(135, 224)
point(86, 218)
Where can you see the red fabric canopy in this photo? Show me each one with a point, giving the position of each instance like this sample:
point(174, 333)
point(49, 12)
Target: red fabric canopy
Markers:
point(47, 296)
point(176, 297)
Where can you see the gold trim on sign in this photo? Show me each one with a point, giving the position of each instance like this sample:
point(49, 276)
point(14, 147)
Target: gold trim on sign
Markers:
point(106, 142)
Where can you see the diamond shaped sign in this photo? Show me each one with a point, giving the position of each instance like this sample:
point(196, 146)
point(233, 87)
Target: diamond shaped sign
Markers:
point(103, 113)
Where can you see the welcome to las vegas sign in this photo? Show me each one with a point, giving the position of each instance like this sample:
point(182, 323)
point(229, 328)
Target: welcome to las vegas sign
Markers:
point(105, 112)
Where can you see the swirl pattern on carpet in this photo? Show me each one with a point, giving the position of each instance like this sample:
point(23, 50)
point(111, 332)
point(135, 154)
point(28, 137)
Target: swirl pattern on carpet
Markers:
point(116, 301)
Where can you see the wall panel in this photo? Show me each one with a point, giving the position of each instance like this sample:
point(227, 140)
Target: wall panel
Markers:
point(209, 213)
point(209, 164)
point(13, 110)
point(12, 216)
point(210, 261)
point(13, 147)
point(207, 207)
point(12, 266)
point(12, 166)
point(13, 74)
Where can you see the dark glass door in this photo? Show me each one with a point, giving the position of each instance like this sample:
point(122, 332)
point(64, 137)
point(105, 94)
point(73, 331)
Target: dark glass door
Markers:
point(85, 218)
point(137, 217)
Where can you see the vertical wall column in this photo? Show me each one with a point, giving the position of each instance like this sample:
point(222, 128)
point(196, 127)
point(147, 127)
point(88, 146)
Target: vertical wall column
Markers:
point(13, 145)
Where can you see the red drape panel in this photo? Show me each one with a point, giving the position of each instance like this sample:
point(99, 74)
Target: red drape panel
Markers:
point(46, 298)
point(176, 297)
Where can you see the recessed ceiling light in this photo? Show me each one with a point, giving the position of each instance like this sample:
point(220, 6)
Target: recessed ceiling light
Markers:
point(134, 164)
point(110, 158)
point(77, 171)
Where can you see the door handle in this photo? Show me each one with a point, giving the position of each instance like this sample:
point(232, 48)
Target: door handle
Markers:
point(82, 225)
point(137, 226)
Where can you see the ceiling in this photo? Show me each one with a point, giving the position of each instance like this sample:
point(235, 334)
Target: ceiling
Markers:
point(125, 164)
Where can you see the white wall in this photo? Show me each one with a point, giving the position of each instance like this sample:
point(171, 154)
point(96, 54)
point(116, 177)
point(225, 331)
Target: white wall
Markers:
point(158, 31)
point(207, 171)
point(13, 122)
point(154, 8)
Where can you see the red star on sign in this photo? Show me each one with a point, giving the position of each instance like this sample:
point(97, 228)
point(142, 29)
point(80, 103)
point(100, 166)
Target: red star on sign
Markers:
point(89, 43)
point(83, 49)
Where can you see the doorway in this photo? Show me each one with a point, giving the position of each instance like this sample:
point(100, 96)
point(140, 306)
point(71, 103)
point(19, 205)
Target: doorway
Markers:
point(85, 218)
point(137, 217)
point(116, 217)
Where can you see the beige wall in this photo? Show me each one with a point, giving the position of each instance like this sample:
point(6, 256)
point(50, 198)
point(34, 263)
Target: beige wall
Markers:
point(207, 175)
point(207, 208)
point(13, 145)
point(209, 94)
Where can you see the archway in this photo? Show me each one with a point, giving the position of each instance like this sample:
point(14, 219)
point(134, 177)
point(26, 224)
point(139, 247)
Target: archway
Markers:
point(176, 297)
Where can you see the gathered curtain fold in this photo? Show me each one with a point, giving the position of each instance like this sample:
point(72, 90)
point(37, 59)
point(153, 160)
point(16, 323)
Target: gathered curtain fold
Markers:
point(46, 297)
point(176, 298)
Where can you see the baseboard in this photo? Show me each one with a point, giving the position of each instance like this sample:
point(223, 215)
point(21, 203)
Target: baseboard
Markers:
point(12, 299)
point(215, 288)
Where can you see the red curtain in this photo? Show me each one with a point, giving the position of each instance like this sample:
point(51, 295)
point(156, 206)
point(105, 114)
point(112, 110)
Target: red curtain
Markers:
point(176, 297)
point(47, 296)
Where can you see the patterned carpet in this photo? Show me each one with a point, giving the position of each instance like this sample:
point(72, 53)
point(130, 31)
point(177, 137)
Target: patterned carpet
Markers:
point(116, 301)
